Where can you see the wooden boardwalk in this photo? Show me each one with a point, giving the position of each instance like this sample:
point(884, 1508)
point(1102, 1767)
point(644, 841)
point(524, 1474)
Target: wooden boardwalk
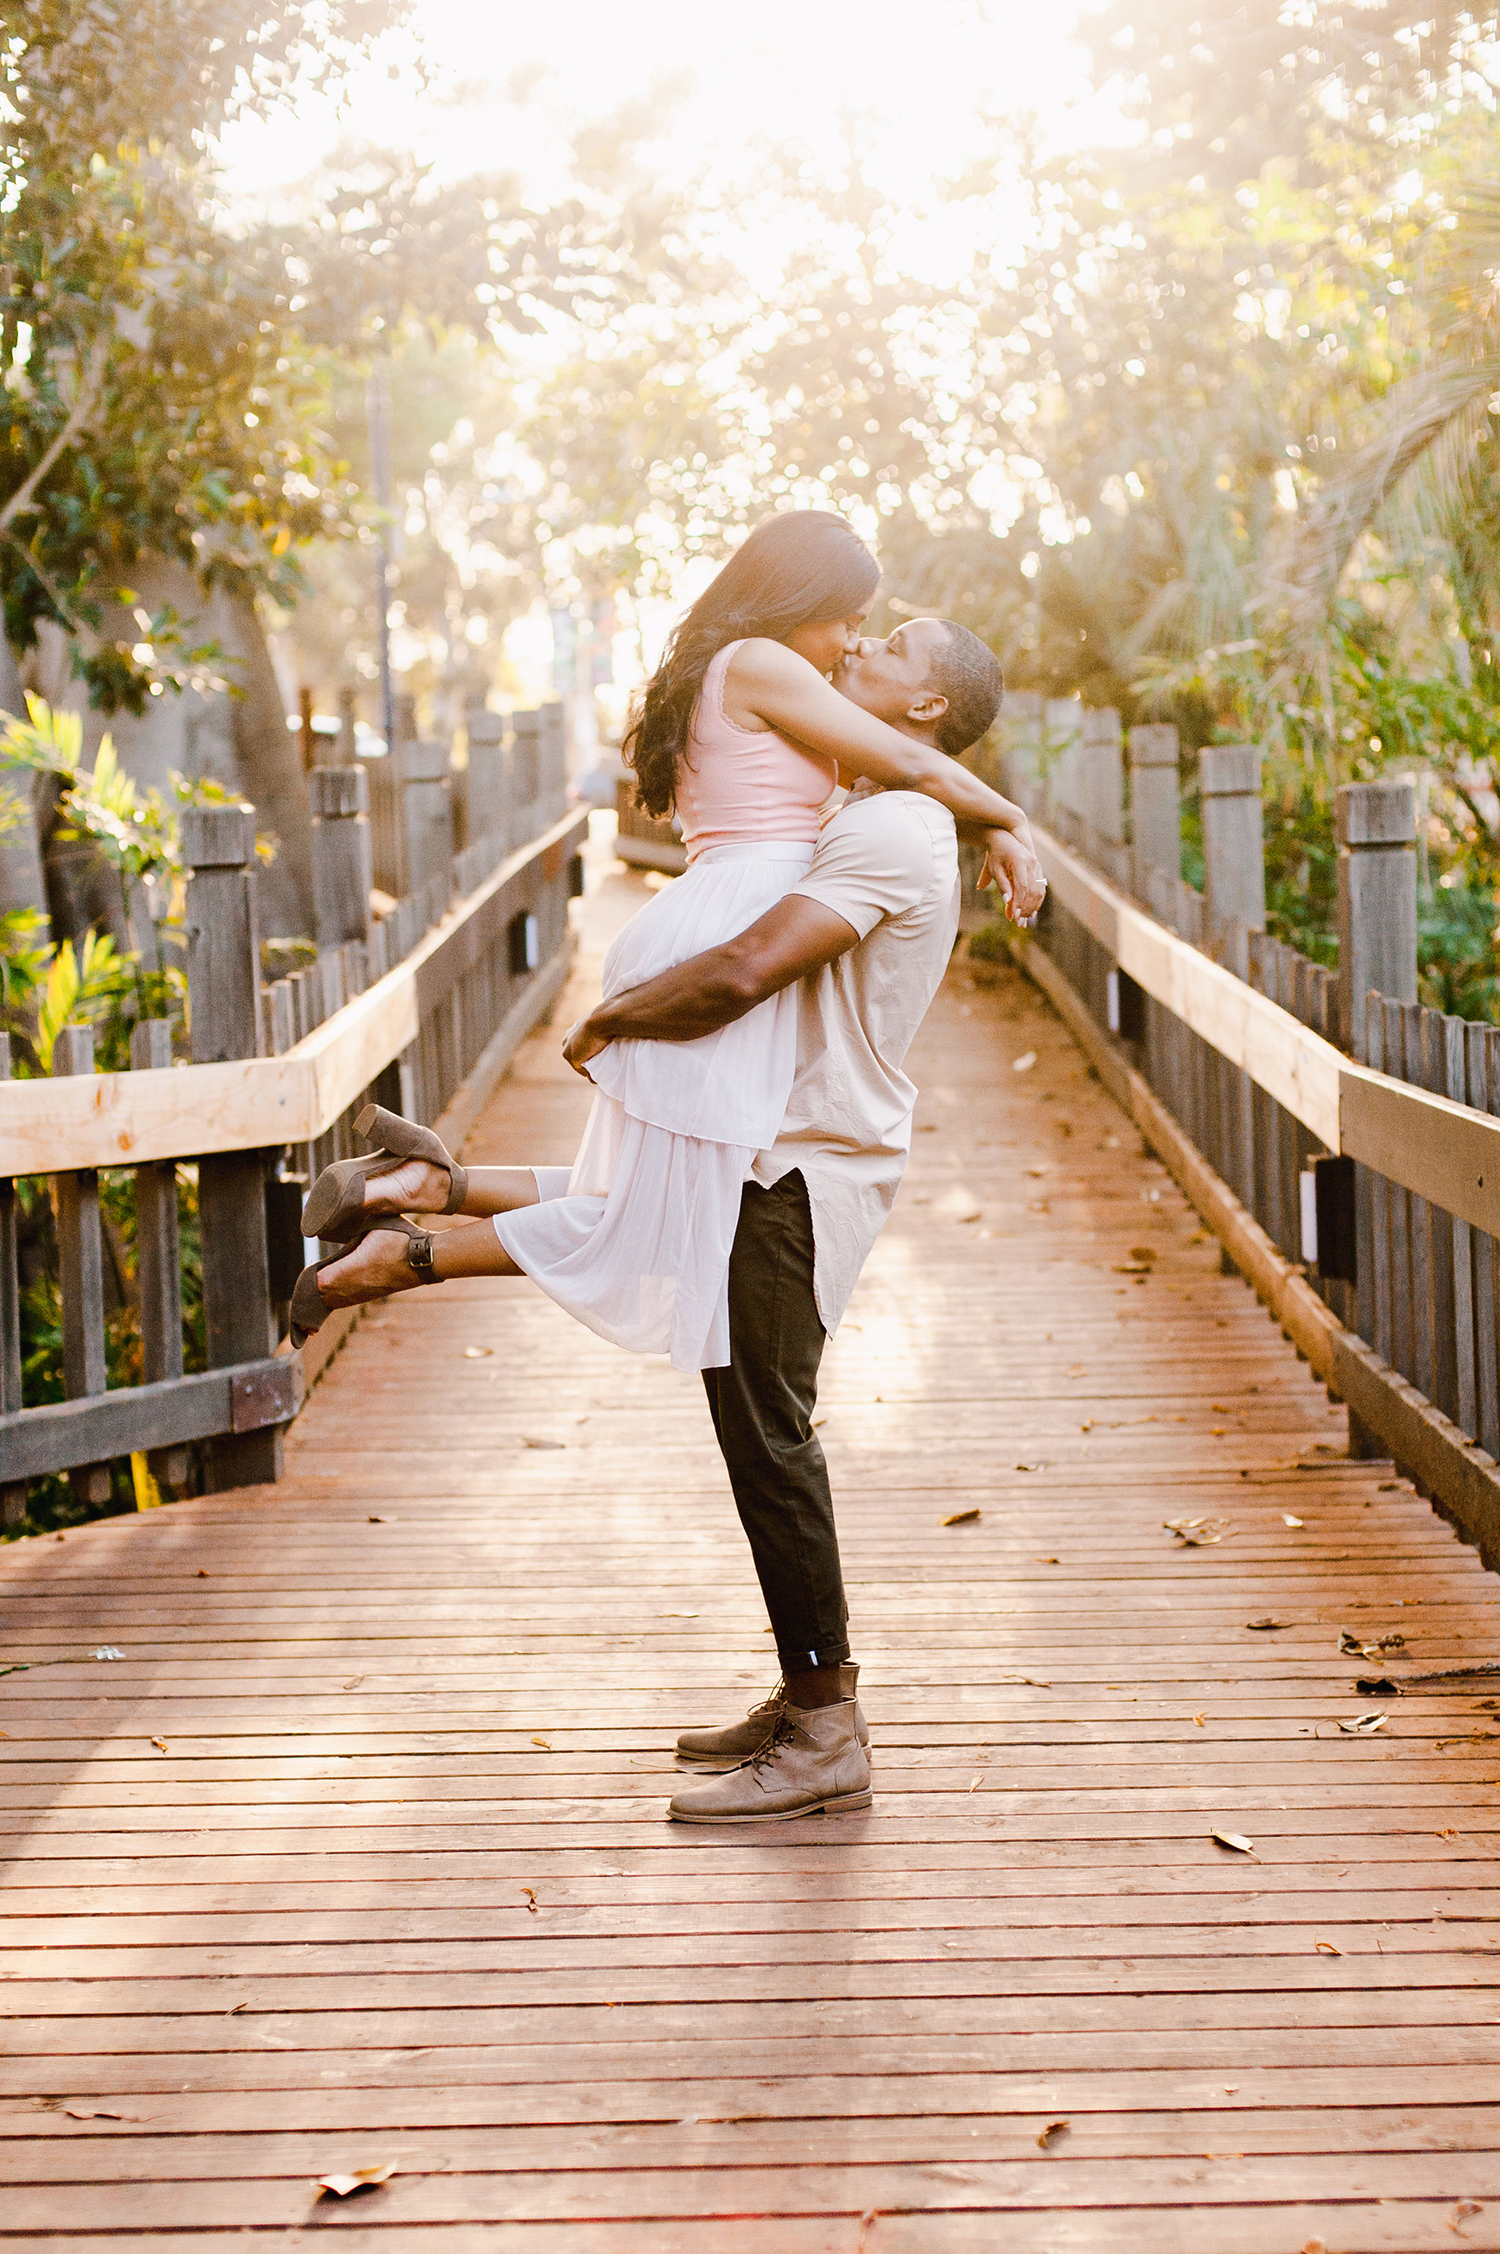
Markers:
point(355, 1856)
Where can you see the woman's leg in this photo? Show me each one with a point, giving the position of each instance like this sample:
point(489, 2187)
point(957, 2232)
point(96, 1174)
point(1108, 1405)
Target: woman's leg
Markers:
point(416, 1187)
point(378, 1265)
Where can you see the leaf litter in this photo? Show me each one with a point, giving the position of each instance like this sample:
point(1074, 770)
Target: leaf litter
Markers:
point(1369, 1647)
point(1053, 2129)
point(1261, 1626)
point(357, 2179)
point(1235, 1839)
point(961, 1518)
point(1363, 1725)
point(1198, 1533)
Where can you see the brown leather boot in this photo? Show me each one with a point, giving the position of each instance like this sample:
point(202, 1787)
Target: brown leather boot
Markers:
point(733, 1742)
point(813, 1764)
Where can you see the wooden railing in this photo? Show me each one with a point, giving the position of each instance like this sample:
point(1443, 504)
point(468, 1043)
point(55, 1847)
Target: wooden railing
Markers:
point(434, 998)
point(1342, 1140)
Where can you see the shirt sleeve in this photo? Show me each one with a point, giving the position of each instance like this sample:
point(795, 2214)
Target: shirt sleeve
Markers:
point(874, 860)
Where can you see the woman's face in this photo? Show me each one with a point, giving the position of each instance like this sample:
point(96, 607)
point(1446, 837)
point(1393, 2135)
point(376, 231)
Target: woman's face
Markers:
point(825, 641)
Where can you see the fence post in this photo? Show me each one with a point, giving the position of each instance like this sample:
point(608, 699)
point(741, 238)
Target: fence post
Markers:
point(158, 1256)
point(486, 773)
point(13, 1494)
point(1062, 717)
point(80, 1259)
point(343, 866)
point(348, 741)
point(218, 844)
point(426, 779)
point(1102, 790)
point(1375, 828)
point(525, 777)
point(1234, 863)
point(1155, 808)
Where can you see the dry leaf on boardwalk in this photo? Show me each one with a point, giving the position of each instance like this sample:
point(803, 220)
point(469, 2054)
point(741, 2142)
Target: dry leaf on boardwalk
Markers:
point(1234, 1839)
point(358, 2179)
point(1025, 1063)
point(528, 1442)
point(161, 1745)
point(1197, 1533)
point(1371, 1647)
point(1288, 1520)
point(1053, 2129)
point(1328, 1948)
point(1376, 1686)
point(1261, 1625)
point(1461, 2214)
point(1362, 1725)
point(478, 1353)
point(108, 1651)
point(542, 1742)
point(1035, 1465)
point(961, 1518)
point(530, 1892)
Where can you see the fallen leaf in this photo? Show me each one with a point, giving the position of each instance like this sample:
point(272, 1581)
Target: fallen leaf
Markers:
point(960, 1518)
point(478, 1353)
point(1037, 1466)
point(1234, 1839)
point(1202, 1724)
point(372, 1520)
point(1053, 2129)
point(1288, 1520)
point(529, 1892)
point(354, 1682)
point(204, 1574)
point(528, 1442)
point(109, 1651)
point(1087, 1425)
point(1024, 1064)
point(1267, 1623)
point(1369, 1647)
point(1376, 1686)
point(79, 2115)
point(976, 1784)
point(161, 1745)
point(1315, 2246)
point(546, 1748)
point(1197, 1533)
point(1143, 1252)
point(245, 2006)
point(1362, 1725)
point(1461, 2215)
point(358, 2179)
point(1328, 1948)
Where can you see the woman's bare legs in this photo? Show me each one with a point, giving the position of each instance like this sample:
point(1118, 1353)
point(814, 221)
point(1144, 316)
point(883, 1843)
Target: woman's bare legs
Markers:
point(416, 1187)
point(378, 1266)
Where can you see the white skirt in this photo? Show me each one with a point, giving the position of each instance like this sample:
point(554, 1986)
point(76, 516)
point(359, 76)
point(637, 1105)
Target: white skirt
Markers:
point(638, 1247)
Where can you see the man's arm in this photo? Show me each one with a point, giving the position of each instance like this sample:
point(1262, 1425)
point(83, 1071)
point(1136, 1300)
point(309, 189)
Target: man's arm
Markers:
point(790, 941)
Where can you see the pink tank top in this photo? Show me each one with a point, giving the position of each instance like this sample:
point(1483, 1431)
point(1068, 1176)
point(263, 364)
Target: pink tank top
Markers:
point(742, 785)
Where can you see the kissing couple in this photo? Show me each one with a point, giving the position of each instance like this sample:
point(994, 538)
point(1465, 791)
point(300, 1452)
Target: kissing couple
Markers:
point(751, 1119)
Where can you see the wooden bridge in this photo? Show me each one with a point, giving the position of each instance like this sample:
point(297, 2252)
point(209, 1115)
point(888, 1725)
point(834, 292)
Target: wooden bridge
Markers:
point(335, 1806)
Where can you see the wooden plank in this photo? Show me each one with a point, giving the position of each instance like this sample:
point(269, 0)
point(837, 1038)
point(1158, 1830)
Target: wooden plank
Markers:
point(257, 1102)
point(245, 1397)
point(365, 1720)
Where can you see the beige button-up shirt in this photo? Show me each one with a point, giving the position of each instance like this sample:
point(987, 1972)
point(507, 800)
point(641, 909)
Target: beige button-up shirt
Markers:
point(889, 866)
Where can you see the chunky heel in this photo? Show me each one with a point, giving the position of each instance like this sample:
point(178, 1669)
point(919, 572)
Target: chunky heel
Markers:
point(310, 1310)
point(335, 1208)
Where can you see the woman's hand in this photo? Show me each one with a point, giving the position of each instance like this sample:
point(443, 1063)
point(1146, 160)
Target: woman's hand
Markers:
point(580, 1044)
point(1011, 865)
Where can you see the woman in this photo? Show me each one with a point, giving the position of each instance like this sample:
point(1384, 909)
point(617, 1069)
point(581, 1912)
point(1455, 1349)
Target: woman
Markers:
point(742, 733)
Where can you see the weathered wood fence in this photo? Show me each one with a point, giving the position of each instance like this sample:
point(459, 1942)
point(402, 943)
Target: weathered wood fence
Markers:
point(404, 1009)
point(1340, 1137)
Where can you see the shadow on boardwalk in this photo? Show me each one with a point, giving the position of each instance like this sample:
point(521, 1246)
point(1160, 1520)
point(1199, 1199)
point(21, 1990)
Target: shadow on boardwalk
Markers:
point(357, 1856)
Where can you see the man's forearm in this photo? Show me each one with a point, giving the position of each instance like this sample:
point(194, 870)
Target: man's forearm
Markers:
point(682, 1004)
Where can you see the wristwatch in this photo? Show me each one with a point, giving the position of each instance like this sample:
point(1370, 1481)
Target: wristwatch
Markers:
point(419, 1256)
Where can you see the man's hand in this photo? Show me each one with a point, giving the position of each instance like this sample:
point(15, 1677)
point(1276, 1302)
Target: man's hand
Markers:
point(1012, 866)
point(581, 1044)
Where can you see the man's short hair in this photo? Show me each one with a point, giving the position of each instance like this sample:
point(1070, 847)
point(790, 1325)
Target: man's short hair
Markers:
point(967, 672)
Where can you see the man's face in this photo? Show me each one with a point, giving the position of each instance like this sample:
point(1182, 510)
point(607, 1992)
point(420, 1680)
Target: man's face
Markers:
point(889, 678)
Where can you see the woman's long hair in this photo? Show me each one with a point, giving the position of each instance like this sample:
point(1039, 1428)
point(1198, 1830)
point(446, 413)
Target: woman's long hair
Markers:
point(795, 568)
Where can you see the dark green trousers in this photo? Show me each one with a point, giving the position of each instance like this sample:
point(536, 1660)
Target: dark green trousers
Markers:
point(762, 1407)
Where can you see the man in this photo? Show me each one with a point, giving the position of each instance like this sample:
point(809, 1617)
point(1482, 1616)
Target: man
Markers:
point(866, 935)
